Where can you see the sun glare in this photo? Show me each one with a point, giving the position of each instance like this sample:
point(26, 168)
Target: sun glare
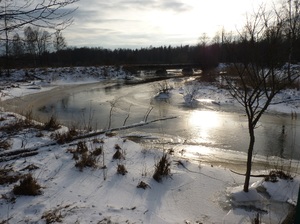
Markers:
point(203, 122)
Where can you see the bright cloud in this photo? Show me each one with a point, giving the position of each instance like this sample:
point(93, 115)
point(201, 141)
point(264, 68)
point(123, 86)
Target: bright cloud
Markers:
point(141, 23)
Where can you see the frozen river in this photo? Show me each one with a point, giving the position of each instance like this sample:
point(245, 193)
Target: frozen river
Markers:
point(204, 132)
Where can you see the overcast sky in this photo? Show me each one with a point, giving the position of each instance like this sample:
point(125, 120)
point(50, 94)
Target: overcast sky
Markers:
point(143, 23)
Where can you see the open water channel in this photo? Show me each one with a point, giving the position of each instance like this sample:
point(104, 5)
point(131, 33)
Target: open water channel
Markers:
point(209, 132)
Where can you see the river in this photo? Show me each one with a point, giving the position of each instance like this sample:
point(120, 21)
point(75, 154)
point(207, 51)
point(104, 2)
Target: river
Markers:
point(208, 132)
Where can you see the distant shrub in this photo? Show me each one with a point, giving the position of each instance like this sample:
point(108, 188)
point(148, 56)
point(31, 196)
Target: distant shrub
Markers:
point(162, 168)
point(187, 71)
point(28, 186)
point(163, 87)
point(161, 71)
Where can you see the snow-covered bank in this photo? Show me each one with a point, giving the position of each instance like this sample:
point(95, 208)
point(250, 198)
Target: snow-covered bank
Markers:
point(28, 81)
point(193, 193)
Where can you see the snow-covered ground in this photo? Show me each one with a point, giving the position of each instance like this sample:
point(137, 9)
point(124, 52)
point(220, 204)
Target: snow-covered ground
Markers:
point(192, 193)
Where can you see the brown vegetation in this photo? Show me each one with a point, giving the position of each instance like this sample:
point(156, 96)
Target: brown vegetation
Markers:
point(28, 186)
point(162, 168)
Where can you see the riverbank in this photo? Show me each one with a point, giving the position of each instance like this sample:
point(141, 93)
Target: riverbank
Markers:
point(190, 193)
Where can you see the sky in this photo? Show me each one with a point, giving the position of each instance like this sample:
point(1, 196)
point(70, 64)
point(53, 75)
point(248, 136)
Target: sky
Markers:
point(143, 23)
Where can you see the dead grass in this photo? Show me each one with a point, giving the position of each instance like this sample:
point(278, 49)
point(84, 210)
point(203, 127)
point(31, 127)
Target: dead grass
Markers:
point(52, 124)
point(52, 216)
point(162, 168)
point(274, 175)
point(63, 138)
point(5, 144)
point(118, 155)
point(5, 221)
point(28, 186)
point(17, 126)
point(110, 134)
point(84, 157)
point(9, 176)
point(143, 185)
point(56, 215)
point(121, 169)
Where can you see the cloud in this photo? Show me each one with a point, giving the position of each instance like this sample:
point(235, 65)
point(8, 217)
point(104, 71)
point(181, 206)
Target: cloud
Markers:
point(167, 5)
point(138, 23)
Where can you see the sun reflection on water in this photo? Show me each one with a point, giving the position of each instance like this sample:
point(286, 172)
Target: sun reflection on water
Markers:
point(204, 122)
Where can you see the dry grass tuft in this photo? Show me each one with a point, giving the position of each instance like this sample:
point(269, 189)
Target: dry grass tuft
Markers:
point(52, 124)
point(121, 169)
point(9, 176)
point(5, 144)
point(275, 174)
point(28, 186)
point(143, 185)
point(55, 215)
point(84, 157)
point(118, 155)
point(63, 138)
point(162, 168)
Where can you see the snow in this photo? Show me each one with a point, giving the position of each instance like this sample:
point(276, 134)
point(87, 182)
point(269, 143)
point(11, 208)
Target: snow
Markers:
point(194, 192)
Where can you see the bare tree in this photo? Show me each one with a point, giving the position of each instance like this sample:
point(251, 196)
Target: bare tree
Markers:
point(260, 71)
point(43, 42)
point(291, 17)
point(16, 14)
point(42, 13)
point(59, 41)
point(31, 39)
point(17, 46)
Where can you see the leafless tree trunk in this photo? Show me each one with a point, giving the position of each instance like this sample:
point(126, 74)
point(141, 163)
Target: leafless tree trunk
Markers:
point(291, 12)
point(259, 72)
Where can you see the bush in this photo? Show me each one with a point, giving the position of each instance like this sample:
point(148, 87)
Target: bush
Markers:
point(28, 186)
point(162, 168)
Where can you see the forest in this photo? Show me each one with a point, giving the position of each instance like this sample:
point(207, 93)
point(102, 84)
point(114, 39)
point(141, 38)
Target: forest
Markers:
point(27, 53)
point(270, 36)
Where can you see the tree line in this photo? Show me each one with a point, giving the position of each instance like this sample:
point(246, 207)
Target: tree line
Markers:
point(28, 40)
point(38, 48)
